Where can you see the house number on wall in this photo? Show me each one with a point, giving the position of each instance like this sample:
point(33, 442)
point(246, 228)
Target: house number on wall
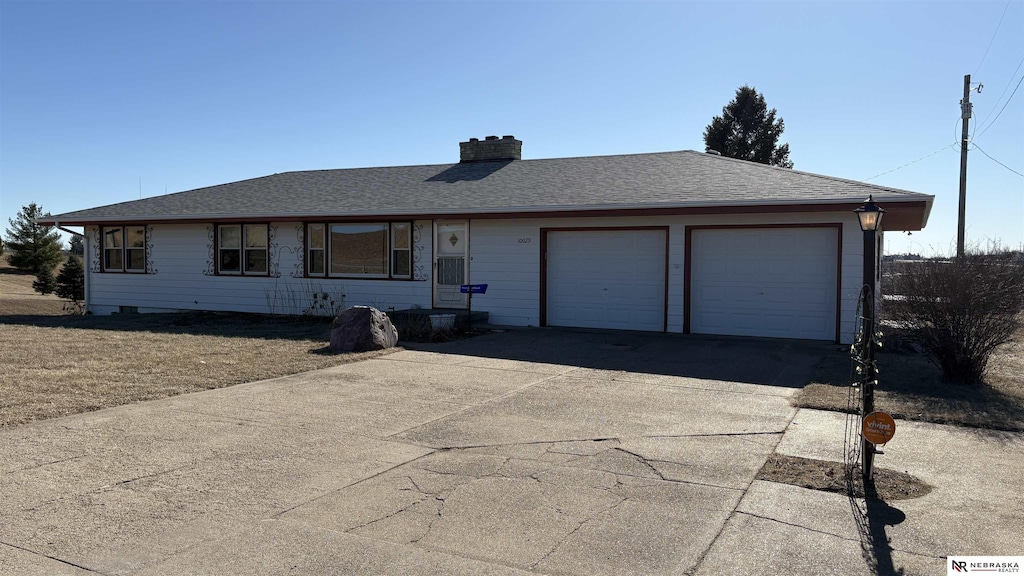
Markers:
point(525, 240)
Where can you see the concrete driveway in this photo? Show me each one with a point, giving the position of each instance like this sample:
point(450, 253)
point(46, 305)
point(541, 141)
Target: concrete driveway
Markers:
point(532, 451)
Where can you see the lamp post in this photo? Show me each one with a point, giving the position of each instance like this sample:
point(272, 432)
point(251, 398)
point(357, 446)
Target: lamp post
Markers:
point(870, 217)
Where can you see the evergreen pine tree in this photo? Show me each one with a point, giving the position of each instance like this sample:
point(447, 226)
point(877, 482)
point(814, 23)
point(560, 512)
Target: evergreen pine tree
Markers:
point(748, 130)
point(44, 282)
point(34, 247)
point(76, 245)
point(71, 280)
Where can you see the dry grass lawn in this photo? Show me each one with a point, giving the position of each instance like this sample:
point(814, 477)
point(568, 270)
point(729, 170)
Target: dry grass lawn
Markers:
point(18, 297)
point(911, 387)
point(53, 364)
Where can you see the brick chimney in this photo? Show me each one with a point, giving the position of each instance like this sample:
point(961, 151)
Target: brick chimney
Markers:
point(490, 149)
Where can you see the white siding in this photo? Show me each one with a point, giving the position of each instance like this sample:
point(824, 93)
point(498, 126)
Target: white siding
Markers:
point(505, 254)
point(181, 256)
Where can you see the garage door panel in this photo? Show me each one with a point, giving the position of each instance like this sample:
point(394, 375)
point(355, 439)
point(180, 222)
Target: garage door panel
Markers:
point(739, 267)
point(709, 294)
point(739, 242)
point(562, 289)
point(779, 243)
point(606, 279)
point(781, 270)
point(641, 269)
point(812, 323)
point(815, 296)
point(649, 243)
point(777, 282)
point(646, 296)
point(777, 295)
point(589, 267)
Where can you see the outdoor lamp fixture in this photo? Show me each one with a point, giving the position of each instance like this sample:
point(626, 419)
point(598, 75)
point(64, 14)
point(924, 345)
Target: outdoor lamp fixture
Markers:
point(869, 215)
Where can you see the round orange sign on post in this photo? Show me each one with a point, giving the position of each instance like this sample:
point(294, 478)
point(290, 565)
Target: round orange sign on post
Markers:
point(878, 428)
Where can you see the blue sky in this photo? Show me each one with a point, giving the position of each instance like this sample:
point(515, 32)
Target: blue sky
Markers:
point(95, 96)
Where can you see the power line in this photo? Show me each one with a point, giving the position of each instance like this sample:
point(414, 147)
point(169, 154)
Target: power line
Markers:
point(1005, 88)
point(913, 162)
point(1001, 109)
point(993, 36)
point(998, 162)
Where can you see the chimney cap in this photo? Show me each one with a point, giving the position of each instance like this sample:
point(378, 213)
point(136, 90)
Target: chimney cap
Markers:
point(491, 149)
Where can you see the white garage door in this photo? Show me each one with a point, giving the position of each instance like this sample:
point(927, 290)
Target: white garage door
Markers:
point(776, 282)
point(606, 279)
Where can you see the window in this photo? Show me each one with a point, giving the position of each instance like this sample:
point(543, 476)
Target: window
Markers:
point(124, 249)
point(401, 250)
point(364, 250)
point(316, 250)
point(359, 250)
point(242, 249)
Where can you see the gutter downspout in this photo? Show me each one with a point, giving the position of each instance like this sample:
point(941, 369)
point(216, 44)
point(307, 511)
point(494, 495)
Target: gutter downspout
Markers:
point(63, 229)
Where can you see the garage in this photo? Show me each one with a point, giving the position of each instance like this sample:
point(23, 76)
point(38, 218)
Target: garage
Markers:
point(605, 278)
point(779, 282)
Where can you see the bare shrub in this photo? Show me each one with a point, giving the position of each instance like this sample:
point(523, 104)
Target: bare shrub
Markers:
point(959, 310)
point(307, 299)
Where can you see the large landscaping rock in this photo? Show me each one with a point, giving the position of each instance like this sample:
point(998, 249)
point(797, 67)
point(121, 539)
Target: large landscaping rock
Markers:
point(362, 328)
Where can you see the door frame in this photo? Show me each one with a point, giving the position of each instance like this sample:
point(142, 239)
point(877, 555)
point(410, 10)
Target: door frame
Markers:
point(688, 261)
point(436, 255)
point(544, 262)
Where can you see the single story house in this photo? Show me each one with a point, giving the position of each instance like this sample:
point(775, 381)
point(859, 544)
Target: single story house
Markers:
point(684, 242)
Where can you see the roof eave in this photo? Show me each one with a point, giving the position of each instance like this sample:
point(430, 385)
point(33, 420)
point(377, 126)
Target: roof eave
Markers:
point(921, 204)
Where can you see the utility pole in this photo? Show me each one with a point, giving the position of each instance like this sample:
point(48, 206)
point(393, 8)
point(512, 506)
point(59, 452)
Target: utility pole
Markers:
point(965, 113)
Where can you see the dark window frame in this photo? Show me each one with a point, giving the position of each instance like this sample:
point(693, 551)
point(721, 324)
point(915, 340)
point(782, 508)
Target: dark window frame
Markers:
point(124, 249)
point(241, 250)
point(326, 225)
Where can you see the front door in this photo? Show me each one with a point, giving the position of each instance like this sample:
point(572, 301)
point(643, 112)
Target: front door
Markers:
point(451, 263)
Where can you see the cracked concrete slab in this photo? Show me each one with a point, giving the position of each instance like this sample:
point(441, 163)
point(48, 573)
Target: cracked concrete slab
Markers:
point(15, 560)
point(538, 451)
point(728, 461)
point(518, 506)
point(156, 480)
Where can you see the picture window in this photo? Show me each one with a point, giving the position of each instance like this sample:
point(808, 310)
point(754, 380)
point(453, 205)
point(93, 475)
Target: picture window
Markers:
point(359, 250)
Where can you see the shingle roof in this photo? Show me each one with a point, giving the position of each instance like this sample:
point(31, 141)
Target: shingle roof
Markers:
point(660, 180)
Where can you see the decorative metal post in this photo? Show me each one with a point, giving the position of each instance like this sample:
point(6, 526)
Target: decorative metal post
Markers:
point(870, 217)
